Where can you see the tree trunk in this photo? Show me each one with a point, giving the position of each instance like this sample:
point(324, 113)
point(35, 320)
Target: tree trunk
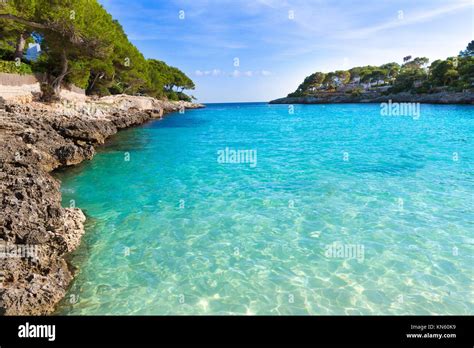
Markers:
point(93, 83)
point(59, 80)
point(20, 45)
point(96, 77)
point(52, 89)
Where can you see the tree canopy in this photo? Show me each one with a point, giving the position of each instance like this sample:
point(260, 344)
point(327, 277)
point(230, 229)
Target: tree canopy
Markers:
point(469, 51)
point(82, 44)
point(414, 75)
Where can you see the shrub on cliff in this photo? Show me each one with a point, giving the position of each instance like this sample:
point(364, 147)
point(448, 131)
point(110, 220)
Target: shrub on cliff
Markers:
point(356, 92)
point(13, 67)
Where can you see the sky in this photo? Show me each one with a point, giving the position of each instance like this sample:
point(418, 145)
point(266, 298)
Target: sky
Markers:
point(258, 50)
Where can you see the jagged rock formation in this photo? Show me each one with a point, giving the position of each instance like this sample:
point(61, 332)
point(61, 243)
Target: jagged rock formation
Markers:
point(36, 233)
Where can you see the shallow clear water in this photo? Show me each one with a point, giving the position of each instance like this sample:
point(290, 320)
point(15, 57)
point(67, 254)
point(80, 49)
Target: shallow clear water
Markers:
point(173, 231)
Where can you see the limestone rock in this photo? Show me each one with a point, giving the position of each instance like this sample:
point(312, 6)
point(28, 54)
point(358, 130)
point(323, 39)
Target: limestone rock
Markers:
point(36, 232)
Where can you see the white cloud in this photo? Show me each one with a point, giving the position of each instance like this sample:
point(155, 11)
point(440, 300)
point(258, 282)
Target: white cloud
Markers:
point(236, 73)
point(406, 20)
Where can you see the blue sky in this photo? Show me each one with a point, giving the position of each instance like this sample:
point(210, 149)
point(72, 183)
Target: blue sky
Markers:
point(279, 42)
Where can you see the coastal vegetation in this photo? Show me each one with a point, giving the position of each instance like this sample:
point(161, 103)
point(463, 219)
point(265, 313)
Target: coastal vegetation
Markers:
point(414, 75)
point(82, 44)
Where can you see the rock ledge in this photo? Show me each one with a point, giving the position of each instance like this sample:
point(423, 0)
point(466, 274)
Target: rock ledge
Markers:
point(36, 232)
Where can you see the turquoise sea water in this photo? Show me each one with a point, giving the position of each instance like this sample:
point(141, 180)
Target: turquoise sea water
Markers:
point(171, 230)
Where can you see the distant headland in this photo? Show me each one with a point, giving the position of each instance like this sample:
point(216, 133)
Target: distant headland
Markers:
point(449, 81)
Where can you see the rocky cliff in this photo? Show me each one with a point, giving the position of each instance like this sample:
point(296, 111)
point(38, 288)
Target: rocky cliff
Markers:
point(36, 232)
point(334, 98)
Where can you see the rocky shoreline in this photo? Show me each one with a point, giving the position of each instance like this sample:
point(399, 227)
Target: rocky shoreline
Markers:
point(36, 232)
point(336, 98)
